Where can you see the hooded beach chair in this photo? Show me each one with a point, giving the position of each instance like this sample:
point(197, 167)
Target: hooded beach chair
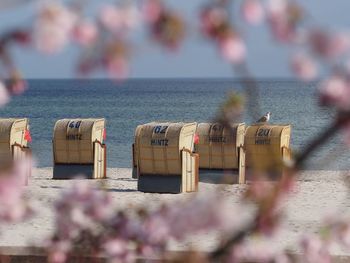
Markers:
point(163, 157)
point(79, 149)
point(221, 152)
point(267, 147)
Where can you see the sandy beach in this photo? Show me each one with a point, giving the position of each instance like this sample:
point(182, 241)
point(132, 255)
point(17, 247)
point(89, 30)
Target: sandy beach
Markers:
point(317, 194)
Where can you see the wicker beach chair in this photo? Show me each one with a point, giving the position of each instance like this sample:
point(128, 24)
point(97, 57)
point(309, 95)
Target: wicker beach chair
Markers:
point(79, 149)
point(163, 157)
point(221, 152)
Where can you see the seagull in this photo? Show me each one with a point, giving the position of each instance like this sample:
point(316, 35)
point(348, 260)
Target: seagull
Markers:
point(265, 118)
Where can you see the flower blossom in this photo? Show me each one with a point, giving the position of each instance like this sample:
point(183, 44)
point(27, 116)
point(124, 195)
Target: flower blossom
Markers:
point(314, 249)
point(304, 67)
point(119, 19)
point(4, 95)
point(252, 11)
point(13, 206)
point(233, 49)
point(116, 60)
point(284, 17)
point(85, 32)
point(257, 250)
point(53, 27)
point(86, 215)
point(166, 26)
point(327, 45)
point(335, 91)
point(216, 26)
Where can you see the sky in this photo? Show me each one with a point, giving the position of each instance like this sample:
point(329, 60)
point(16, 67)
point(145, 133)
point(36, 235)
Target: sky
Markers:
point(197, 58)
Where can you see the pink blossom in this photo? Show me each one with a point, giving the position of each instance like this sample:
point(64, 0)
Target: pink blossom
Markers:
point(201, 214)
point(117, 250)
point(118, 68)
point(215, 22)
point(85, 214)
point(328, 45)
point(252, 11)
point(152, 10)
point(81, 208)
point(335, 91)
point(283, 18)
point(4, 95)
point(85, 33)
point(118, 19)
point(53, 27)
point(304, 67)
point(168, 30)
point(315, 250)
point(16, 84)
point(258, 250)
point(339, 226)
point(58, 251)
point(13, 206)
point(18, 87)
point(233, 49)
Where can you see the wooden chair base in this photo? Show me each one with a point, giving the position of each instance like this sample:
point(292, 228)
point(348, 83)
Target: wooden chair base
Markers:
point(171, 184)
point(71, 171)
point(219, 176)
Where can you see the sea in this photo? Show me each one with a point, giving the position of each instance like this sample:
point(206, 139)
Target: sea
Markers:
point(137, 101)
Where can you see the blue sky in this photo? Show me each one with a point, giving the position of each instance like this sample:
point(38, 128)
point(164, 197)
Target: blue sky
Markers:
point(197, 58)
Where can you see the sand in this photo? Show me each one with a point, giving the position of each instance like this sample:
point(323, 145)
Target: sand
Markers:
point(318, 193)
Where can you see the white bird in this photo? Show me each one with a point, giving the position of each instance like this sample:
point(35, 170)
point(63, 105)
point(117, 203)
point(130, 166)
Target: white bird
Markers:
point(265, 118)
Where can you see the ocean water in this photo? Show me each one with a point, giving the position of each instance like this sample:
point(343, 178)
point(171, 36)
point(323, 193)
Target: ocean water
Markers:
point(139, 101)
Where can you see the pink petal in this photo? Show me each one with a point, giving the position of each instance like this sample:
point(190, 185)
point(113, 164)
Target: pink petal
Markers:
point(4, 95)
point(304, 67)
point(233, 49)
point(252, 11)
point(85, 33)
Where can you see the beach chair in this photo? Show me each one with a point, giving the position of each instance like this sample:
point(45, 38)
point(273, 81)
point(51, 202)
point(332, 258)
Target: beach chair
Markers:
point(79, 149)
point(267, 148)
point(164, 161)
point(14, 139)
point(221, 153)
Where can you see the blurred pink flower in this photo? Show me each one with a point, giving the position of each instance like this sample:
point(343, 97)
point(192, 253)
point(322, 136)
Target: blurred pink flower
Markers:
point(82, 204)
point(304, 67)
point(315, 249)
point(86, 214)
point(53, 27)
point(119, 19)
point(16, 84)
point(152, 10)
point(18, 87)
point(216, 26)
point(58, 251)
point(258, 250)
point(339, 226)
point(85, 33)
point(283, 17)
point(215, 23)
point(115, 60)
point(252, 11)
point(4, 95)
point(233, 49)
point(202, 213)
point(328, 45)
point(13, 206)
point(117, 250)
point(335, 91)
point(118, 68)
